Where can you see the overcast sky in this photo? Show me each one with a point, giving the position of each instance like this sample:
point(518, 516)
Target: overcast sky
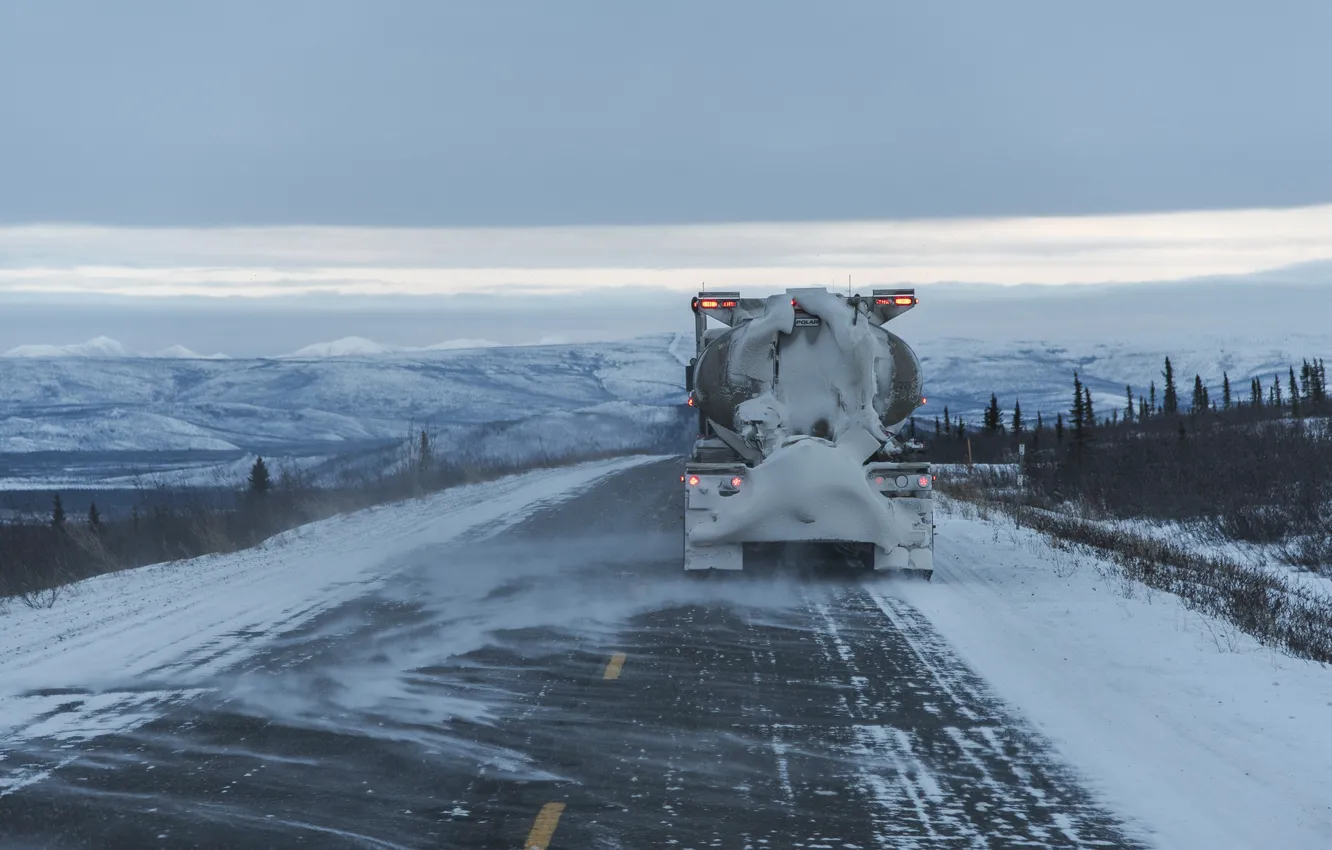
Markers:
point(603, 111)
point(328, 149)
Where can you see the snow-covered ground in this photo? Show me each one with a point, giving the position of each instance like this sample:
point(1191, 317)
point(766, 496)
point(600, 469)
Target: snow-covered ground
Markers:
point(1200, 537)
point(1199, 735)
point(109, 639)
point(1191, 731)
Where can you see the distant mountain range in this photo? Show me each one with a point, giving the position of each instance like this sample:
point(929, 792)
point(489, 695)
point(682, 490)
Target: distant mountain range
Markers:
point(105, 347)
point(351, 346)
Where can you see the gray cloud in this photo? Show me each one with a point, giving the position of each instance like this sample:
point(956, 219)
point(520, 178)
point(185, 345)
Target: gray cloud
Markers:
point(590, 111)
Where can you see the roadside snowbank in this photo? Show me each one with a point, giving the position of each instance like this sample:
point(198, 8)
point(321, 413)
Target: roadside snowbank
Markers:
point(1182, 723)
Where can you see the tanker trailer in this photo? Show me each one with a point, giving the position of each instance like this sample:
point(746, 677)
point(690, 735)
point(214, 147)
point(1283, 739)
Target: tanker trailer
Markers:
point(801, 398)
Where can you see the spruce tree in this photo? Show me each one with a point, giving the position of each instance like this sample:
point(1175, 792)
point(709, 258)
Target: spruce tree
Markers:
point(57, 512)
point(1152, 407)
point(1294, 394)
point(1277, 401)
point(1128, 408)
point(94, 518)
point(1059, 428)
point(1171, 399)
point(1017, 416)
point(1079, 410)
point(948, 423)
point(1142, 409)
point(1040, 422)
point(993, 421)
point(1225, 390)
point(424, 454)
point(1089, 416)
point(936, 426)
point(1256, 393)
point(260, 483)
point(1199, 401)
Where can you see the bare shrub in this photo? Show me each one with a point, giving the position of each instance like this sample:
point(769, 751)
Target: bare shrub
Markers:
point(42, 597)
point(1311, 551)
point(93, 545)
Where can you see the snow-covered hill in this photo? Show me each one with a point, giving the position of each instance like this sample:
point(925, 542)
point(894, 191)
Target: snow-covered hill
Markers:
point(961, 373)
point(112, 416)
point(354, 395)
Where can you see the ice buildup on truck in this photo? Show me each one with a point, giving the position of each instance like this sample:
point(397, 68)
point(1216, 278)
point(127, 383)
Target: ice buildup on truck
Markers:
point(801, 397)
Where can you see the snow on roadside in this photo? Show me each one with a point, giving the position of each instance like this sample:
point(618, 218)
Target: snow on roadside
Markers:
point(116, 650)
point(1199, 538)
point(1199, 735)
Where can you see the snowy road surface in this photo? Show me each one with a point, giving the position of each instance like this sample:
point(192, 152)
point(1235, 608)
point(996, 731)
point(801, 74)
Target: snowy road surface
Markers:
point(520, 664)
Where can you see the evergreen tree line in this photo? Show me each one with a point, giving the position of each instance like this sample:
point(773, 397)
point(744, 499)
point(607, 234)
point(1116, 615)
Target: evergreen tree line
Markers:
point(1255, 465)
point(1295, 395)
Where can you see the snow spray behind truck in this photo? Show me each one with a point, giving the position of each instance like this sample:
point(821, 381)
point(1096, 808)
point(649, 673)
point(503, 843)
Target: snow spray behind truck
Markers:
point(801, 398)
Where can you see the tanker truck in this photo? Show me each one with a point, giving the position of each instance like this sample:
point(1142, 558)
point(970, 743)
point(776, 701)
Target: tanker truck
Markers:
point(801, 400)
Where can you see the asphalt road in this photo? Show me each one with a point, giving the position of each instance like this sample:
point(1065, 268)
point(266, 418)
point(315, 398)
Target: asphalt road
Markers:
point(589, 698)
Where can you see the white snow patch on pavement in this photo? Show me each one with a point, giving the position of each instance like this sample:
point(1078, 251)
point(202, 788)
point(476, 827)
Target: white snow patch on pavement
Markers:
point(1199, 735)
point(93, 664)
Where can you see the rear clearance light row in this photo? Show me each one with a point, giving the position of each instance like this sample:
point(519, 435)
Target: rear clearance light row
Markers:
point(715, 303)
point(694, 481)
point(904, 482)
point(898, 301)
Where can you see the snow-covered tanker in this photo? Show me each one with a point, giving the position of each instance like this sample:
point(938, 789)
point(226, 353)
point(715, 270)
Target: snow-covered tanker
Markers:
point(801, 399)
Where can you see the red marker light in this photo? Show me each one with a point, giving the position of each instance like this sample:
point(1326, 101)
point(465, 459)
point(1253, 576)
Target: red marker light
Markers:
point(728, 303)
point(690, 402)
point(681, 479)
point(735, 482)
point(903, 300)
point(922, 399)
point(924, 481)
point(693, 481)
point(878, 479)
point(709, 304)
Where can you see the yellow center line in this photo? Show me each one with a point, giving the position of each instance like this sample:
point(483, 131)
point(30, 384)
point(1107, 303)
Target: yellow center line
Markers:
point(613, 668)
point(544, 827)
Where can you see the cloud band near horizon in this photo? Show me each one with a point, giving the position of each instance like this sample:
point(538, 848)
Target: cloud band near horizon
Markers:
point(273, 261)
